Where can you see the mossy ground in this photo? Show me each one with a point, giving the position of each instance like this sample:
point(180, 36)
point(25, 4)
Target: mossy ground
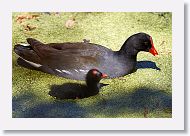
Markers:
point(146, 89)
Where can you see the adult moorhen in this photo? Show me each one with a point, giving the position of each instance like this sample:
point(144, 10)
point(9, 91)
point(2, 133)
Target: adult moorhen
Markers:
point(74, 60)
point(78, 91)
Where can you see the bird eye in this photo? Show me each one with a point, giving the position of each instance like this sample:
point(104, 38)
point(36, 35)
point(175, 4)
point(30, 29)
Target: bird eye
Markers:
point(146, 43)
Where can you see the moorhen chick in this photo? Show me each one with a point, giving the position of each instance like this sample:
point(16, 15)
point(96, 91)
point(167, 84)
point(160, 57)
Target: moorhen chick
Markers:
point(78, 91)
point(74, 60)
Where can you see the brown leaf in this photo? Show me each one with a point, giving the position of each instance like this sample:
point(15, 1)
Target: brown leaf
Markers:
point(29, 27)
point(21, 18)
point(70, 23)
point(86, 40)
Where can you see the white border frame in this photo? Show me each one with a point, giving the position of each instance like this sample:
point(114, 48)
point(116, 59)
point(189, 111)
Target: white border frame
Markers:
point(174, 123)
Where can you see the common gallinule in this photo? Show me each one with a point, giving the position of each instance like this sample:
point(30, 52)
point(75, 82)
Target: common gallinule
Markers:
point(74, 60)
point(74, 91)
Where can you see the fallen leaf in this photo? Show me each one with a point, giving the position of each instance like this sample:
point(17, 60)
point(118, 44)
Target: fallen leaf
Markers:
point(21, 18)
point(70, 23)
point(29, 27)
point(86, 40)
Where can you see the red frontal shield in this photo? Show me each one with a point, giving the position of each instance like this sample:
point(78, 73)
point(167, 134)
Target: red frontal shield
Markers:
point(152, 49)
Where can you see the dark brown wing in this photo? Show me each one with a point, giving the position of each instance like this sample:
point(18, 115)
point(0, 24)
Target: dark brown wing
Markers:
point(71, 55)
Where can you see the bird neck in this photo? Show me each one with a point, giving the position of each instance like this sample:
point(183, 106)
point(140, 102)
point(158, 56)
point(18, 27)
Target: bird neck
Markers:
point(92, 85)
point(128, 54)
point(128, 50)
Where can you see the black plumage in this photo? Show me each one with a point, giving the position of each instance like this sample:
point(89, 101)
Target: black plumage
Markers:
point(74, 60)
point(79, 91)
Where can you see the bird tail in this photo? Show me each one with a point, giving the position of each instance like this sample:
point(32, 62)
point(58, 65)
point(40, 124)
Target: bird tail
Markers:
point(33, 42)
point(102, 85)
point(27, 53)
point(60, 92)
